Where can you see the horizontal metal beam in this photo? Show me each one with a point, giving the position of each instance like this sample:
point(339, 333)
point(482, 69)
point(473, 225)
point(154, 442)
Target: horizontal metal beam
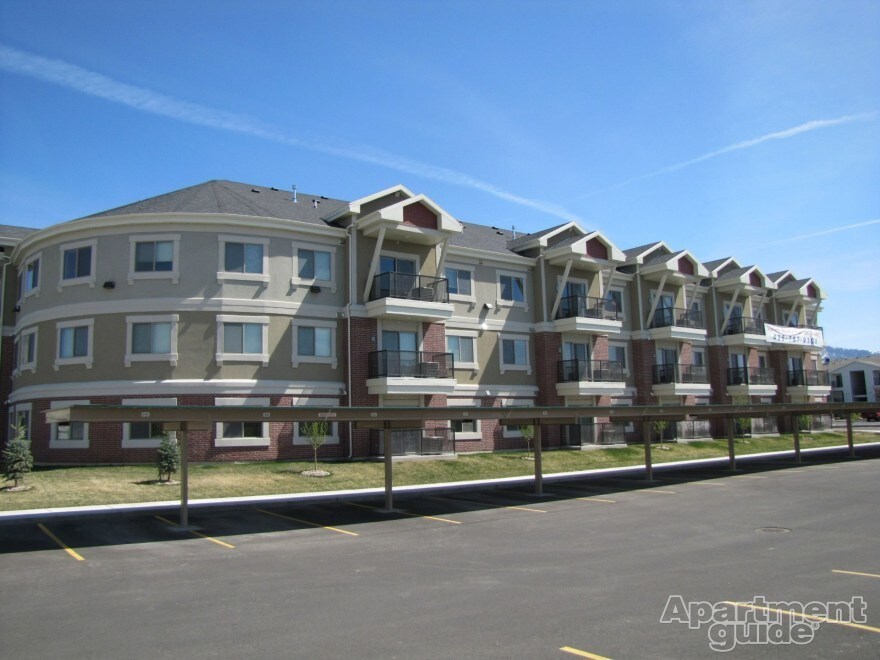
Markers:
point(510, 416)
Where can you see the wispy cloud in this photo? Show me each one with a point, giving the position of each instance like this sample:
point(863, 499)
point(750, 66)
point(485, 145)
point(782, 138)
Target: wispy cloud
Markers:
point(824, 232)
point(806, 127)
point(95, 84)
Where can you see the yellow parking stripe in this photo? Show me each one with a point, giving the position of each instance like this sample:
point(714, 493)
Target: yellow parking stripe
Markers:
point(820, 619)
point(871, 575)
point(582, 654)
point(407, 513)
point(308, 522)
point(192, 531)
point(748, 476)
point(595, 499)
point(73, 553)
point(656, 490)
point(704, 483)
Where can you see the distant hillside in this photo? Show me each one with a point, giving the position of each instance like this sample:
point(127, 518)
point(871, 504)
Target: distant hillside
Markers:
point(836, 353)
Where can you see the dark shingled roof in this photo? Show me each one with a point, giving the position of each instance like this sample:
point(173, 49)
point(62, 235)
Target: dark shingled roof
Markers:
point(794, 285)
point(634, 252)
point(526, 238)
point(231, 198)
point(15, 233)
point(712, 265)
point(482, 237)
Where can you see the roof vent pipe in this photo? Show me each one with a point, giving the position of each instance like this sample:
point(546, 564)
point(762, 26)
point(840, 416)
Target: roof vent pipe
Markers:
point(513, 228)
point(294, 193)
point(315, 203)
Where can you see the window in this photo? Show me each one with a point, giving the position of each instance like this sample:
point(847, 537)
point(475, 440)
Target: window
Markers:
point(300, 437)
point(618, 354)
point(511, 289)
point(463, 348)
point(24, 356)
point(513, 431)
point(466, 429)
point(790, 319)
point(241, 434)
point(243, 258)
point(698, 358)
point(514, 354)
point(29, 282)
point(155, 257)
point(837, 380)
point(314, 264)
point(314, 341)
point(144, 435)
point(151, 339)
point(460, 283)
point(242, 339)
point(74, 435)
point(75, 341)
point(20, 415)
point(78, 264)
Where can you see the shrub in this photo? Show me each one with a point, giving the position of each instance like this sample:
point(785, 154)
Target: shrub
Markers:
point(528, 432)
point(167, 457)
point(316, 432)
point(17, 457)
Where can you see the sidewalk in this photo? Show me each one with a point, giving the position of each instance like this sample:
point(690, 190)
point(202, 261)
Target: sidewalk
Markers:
point(106, 510)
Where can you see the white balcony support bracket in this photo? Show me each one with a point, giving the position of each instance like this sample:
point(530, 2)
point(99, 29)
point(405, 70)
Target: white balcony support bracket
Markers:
point(729, 310)
point(693, 294)
point(441, 262)
point(561, 289)
point(374, 264)
point(656, 302)
point(605, 284)
point(791, 312)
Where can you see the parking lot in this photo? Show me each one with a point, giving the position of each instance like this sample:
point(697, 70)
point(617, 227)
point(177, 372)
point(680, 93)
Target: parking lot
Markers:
point(586, 571)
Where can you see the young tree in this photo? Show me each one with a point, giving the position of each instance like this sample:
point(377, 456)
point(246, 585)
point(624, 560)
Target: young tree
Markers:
point(316, 432)
point(528, 432)
point(167, 457)
point(659, 426)
point(17, 457)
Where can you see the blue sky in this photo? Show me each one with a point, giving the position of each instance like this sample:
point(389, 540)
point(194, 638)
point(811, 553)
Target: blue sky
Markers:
point(739, 128)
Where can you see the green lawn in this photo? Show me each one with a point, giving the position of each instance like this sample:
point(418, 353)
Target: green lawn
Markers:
point(76, 486)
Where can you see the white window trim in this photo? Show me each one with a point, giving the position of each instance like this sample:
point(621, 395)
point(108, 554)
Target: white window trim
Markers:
point(25, 294)
point(332, 435)
point(469, 334)
point(171, 357)
point(403, 256)
point(297, 359)
point(54, 442)
point(20, 349)
point(173, 274)
point(296, 280)
point(514, 367)
point(458, 297)
point(509, 432)
point(471, 403)
point(512, 303)
point(143, 443)
point(228, 276)
point(222, 357)
point(89, 358)
point(86, 279)
point(629, 427)
point(625, 354)
point(220, 441)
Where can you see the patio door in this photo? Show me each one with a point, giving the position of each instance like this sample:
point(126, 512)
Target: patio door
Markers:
point(401, 351)
point(577, 357)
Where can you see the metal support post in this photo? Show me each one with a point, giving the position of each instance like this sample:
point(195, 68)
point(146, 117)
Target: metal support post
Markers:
point(646, 435)
point(182, 441)
point(849, 435)
point(797, 438)
point(389, 471)
point(539, 475)
point(731, 450)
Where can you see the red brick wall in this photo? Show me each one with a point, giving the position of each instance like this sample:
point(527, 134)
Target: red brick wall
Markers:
point(643, 351)
point(420, 216)
point(6, 348)
point(718, 358)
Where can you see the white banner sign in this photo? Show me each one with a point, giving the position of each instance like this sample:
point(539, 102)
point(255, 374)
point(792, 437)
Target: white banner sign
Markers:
point(780, 334)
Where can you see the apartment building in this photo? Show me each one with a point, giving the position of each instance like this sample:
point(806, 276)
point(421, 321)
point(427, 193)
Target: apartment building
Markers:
point(229, 294)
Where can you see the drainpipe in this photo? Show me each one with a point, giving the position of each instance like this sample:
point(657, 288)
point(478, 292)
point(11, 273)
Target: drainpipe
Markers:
point(543, 286)
point(352, 245)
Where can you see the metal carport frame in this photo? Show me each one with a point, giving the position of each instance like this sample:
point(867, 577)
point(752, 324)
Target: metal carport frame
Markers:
point(191, 418)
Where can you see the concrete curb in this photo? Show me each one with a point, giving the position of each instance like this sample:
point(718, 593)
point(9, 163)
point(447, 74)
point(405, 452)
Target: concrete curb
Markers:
point(103, 510)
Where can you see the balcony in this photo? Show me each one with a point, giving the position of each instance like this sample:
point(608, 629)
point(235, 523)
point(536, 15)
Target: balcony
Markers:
point(414, 442)
point(587, 314)
point(410, 372)
point(589, 378)
point(409, 296)
point(601, 433)
point(808, 382)
point(750, 381)
point(676, 323)
point(680, 380)
point(744, 325)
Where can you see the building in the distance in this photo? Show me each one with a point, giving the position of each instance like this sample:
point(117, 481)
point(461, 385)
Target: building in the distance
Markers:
point(228, 294)
point(855, 379)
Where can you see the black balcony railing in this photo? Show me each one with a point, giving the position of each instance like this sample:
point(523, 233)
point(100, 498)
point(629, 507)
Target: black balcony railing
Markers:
point(410, 364)
point(749, 376)
point(808, 378)
point(602, 371)
point(764, 425)
point(414, 442)
point(410, 287)
point(601, 433)
point(744, 325)
point(587, 307)
point(693, 429)
point(679, 373)
point(674, 316)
